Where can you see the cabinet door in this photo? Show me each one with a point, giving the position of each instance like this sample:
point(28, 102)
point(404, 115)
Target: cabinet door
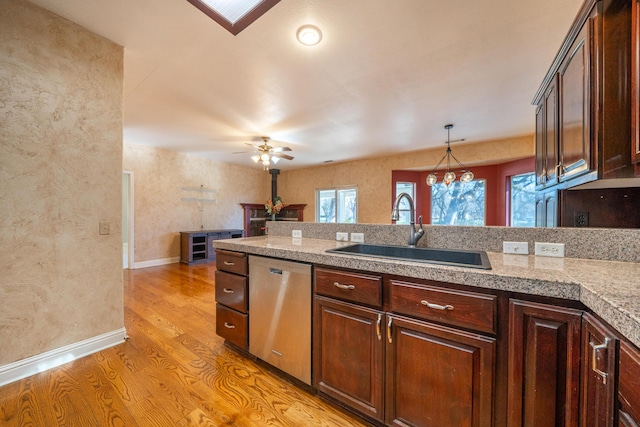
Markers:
point(629, 385)
point(574, 108)
point(540, 147)
point(544, 365)
point(635, 85)
point(598, 374)
point(437, 376)
point(547, 208)
point(348, 355)
point(551, 160)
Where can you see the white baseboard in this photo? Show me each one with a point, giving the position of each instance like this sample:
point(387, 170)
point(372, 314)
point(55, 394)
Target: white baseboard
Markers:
point(32, 365)
point(156, 262)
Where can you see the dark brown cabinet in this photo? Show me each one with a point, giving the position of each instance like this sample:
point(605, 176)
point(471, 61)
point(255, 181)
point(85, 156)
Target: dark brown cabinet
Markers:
point(629, 386)
point(583, 120)
point(256, 217)
point(544, 365)
point(197, 246)
point(349, 355)
point(598, 374)
point(232, 316)
point(437, 376)
point(547, 208)
point(635, 84)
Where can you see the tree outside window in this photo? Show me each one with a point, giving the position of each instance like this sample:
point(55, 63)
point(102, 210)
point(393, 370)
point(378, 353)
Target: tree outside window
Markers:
point(403, 209)
point(458, 204)
point(523, 200)
point(337, 205)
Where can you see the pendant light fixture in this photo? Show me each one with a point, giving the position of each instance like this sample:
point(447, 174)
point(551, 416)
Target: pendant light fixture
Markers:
point(450, 175)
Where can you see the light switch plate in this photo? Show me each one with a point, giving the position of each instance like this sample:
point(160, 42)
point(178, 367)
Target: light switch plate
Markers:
point(357, 237)
point(105, 228)
point(518, 248)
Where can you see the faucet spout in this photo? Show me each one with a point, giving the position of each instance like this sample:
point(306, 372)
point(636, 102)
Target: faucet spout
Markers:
point(414, 235)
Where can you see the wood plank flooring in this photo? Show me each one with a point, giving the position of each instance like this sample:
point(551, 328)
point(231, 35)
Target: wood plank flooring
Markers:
point(173, 371)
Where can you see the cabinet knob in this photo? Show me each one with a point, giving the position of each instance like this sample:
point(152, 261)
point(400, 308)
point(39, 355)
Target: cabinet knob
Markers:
point(436, 306)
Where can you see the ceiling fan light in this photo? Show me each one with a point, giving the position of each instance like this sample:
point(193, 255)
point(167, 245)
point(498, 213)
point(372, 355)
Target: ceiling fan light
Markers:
point(275, 159)
point(255, 158)
point(264, 157)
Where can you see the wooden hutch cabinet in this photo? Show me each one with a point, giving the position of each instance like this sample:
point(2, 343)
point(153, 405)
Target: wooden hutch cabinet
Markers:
point(256, 217)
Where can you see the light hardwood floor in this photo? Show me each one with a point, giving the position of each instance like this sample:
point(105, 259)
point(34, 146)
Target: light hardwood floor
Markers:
point(173, 371)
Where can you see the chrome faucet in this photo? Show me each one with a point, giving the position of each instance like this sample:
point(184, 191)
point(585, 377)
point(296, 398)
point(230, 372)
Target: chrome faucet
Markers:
point(414, 235)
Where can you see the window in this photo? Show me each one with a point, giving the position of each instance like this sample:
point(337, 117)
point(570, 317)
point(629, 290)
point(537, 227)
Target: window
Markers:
point(404, 211)
point(523, 200)
point(458, 204)
point(337, 205)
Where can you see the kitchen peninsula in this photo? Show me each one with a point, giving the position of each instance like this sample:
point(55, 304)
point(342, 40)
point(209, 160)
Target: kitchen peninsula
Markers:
point(551, 310)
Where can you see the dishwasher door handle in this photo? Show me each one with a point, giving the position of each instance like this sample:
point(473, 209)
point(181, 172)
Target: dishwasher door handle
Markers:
point(275, 270)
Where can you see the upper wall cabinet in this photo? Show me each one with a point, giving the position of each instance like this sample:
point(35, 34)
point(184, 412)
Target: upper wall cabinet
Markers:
point(583, 114)
point(635, 83)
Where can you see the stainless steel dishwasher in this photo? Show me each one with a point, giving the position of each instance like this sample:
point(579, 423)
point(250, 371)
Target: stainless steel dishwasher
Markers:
point(280, 314)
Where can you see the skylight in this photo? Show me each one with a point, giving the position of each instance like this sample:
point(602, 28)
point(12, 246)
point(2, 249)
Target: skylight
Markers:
point(234, 15)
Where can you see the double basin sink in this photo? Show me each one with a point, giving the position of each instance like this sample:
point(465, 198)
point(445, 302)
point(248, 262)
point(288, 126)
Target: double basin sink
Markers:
point(457, 258)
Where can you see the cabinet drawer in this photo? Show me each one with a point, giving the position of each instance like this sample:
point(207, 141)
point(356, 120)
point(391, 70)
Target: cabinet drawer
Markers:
point(453, 307)
point(629, 381)
point(231, 290)
point(354, 287)
point(233, 262)
point(232, 326)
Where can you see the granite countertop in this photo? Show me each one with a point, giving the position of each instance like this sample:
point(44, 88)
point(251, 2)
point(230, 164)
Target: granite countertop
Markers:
point(611, 289)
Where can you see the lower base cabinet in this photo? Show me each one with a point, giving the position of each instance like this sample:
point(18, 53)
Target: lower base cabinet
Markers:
point(629, 386)
point(598, 374)
point(544, 365)
point(349, 355)
point(437, 376)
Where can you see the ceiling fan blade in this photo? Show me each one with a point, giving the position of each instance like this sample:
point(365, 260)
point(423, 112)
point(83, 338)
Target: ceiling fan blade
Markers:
point(278, 149)
point(283, 156)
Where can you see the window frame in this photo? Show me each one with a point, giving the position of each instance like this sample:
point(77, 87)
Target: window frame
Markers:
point(336, 197)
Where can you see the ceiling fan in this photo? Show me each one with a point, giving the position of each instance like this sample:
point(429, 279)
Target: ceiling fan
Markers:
point(266, 154)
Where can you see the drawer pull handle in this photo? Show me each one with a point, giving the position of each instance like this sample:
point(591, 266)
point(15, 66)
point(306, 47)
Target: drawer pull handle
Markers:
point(341, 286)
point(389, 330)
point(229, 263)
point(594, 356)
point(378, 323)
point(436, 306)
point(229, 325)
point(227, 290)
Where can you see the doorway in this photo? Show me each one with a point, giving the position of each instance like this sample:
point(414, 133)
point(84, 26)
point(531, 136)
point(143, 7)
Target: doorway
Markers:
point(127, 220)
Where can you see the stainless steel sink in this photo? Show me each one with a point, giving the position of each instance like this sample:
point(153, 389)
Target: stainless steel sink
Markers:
point(458, 258)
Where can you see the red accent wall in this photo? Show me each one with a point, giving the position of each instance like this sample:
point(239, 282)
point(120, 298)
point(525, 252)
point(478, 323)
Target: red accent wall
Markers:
point(497, 188)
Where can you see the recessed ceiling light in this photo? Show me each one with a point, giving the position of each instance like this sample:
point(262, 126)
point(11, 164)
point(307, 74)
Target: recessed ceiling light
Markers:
point(309, 35)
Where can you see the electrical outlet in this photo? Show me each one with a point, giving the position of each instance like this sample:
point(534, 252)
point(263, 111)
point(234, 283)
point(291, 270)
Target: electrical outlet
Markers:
point(105, 228)
point(296, 233)
point(519, 248)
point(581, 219)
point(342, 237)
point(357, 237)
point(550, 249)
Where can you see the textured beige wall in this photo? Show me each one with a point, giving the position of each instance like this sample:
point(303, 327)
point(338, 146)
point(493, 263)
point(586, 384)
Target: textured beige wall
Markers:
point(60, 174)
point(373, 176)
point(159, 211)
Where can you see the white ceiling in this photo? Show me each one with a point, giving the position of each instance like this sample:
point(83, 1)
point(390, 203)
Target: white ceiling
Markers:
point(387, 76)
